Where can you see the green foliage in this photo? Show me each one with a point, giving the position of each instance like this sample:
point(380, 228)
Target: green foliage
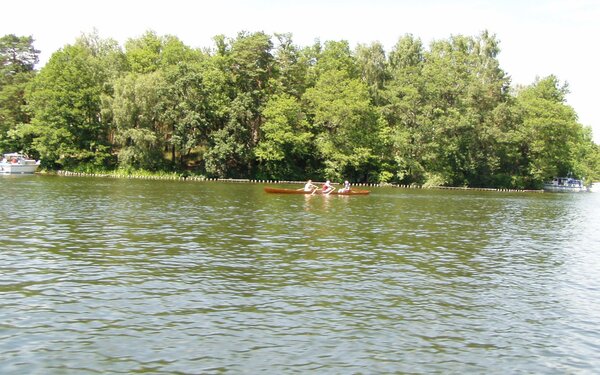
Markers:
point(17, 55)
point(17, 60)
point(136, 112)
point(408, 145)
point(442, 106)
point(286, 142)
point(291, 67)
point(144, 54)
point(258, 106)
point(337, 56)
point(553, 137)
point(346, 124)
point(229, 152)
point(186, 109)
point(65, 103)
point(374, 70)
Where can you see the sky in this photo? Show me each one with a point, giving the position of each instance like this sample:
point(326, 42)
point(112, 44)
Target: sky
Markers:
point(537, 38)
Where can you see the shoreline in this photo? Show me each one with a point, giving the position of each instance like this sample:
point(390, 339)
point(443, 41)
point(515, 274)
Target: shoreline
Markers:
point(175, 177)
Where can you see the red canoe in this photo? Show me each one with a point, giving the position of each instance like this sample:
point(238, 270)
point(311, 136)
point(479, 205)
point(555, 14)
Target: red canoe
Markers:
point(318, 191)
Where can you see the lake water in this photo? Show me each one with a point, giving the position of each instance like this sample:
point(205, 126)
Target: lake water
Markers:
point(170, 277)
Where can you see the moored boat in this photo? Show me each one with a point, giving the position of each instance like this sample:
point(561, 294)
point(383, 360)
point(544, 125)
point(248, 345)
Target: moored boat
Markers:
point(273, 190)
point(16, 163)
point(565, 185)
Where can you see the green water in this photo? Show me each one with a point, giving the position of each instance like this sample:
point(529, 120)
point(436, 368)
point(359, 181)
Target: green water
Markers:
point(167, 277)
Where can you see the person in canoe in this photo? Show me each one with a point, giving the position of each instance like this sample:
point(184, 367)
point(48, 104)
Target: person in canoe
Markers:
point(327, 188)
point(309, 186)
point(346, 187)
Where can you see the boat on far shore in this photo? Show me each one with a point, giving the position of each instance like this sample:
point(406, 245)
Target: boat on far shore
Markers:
point(273, 190)
point(16, 163)
point(565, 185)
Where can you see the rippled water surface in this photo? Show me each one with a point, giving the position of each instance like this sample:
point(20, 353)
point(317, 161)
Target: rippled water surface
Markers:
point(165, 277)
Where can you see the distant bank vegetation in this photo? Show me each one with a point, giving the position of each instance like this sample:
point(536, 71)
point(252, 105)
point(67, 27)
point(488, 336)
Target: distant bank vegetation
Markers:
point(258, 106)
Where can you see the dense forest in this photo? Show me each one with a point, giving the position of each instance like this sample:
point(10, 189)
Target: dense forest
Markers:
point(259, 106)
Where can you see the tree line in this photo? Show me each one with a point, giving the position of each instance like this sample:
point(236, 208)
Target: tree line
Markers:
point(260, 106)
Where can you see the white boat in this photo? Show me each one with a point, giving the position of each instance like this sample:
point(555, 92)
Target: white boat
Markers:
point(566, 185)
point(595, 187)
point(16, 163)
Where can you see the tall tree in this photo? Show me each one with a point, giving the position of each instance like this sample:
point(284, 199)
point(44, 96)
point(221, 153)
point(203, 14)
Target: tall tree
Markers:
point(248, 63)
point(144, 53)
point(136, 111)
point(17, 62)
point(17, 55)
point(285, 149)
point(372, 62)
point(186, 109)
point(464, 85)
point(67, 128)
point(230, 153)
point(408, 136)
point(551, 131)
point(291, 65)
point(346, 124)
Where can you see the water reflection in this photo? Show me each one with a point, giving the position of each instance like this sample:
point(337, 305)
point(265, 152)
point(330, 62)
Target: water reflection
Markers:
point(167, 277)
